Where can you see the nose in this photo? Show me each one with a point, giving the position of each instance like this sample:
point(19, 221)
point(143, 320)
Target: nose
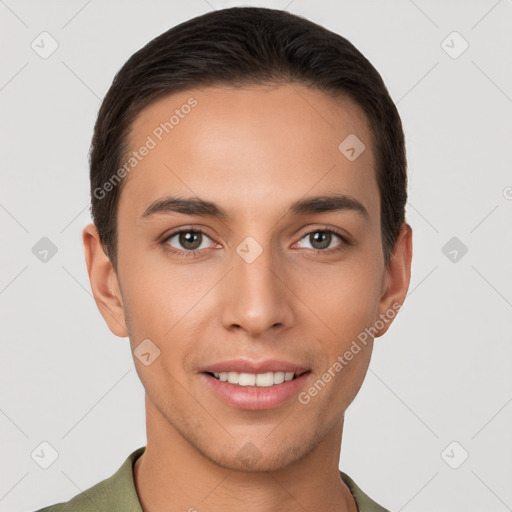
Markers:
point(256, 294)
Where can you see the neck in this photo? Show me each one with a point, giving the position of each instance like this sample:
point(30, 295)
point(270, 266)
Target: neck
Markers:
point(174, 475)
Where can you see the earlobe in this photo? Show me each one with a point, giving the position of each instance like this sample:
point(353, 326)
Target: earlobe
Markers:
point(396, 280)
point(104, 284)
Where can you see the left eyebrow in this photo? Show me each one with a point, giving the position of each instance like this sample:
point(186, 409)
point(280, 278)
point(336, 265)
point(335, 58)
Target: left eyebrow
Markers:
point(310, 205)
point(328, 203)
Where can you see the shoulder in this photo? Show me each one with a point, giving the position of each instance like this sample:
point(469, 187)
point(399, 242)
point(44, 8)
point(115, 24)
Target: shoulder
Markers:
point(115, 494)
point(363, 501)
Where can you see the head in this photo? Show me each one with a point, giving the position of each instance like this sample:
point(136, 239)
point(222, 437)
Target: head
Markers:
point(252, 131)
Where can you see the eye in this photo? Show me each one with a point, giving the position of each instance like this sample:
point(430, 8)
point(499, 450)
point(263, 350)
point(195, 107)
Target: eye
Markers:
point(321, 240)
point(188, 241)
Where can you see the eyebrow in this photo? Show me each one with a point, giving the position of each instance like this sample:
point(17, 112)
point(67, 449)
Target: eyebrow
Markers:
point(201, 207)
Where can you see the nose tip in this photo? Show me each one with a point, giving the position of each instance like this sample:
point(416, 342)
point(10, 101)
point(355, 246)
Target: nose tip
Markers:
point(254, 298)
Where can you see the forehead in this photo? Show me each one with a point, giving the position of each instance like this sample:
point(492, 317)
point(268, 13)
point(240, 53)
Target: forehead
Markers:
point(259, 143)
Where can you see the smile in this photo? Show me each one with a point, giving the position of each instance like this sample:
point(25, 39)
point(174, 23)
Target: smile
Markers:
point(256, 391)
point(255, 379)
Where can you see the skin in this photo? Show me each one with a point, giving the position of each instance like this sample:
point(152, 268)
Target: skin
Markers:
point(253, 151)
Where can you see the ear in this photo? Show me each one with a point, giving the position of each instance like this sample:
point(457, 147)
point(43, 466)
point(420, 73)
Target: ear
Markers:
point(395, 282)
point(104, 283)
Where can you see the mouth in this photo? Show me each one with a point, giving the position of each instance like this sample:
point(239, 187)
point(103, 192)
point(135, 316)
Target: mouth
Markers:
point(255, 385)
point(256, 391)
point(263, 380)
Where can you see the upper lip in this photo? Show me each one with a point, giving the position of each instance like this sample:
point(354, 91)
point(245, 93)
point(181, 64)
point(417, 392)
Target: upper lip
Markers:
point(247, 366)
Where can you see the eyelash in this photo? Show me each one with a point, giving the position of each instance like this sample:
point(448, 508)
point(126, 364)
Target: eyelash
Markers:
point(190, 254)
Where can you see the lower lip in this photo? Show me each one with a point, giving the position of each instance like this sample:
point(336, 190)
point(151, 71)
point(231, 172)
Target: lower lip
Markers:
point(255, 398)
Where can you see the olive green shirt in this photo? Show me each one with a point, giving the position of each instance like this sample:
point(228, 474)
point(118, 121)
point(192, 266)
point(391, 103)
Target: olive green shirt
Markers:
point(118, 494)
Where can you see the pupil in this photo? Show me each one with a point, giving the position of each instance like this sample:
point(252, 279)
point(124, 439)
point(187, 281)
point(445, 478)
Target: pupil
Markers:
point(324, 239)
point(190, 237)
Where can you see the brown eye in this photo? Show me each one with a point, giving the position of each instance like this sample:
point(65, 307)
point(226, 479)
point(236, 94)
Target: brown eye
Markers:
point(188, 240)
point(322, 240)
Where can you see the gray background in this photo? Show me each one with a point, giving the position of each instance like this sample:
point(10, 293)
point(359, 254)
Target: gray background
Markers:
point(441, 374)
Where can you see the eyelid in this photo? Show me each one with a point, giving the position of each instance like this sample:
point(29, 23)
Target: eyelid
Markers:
point(340, 232)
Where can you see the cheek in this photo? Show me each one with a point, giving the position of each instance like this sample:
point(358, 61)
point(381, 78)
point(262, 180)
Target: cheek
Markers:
point(347, 303)
point(166, 306)
point(158, 296)
point(345, 298)
point(346, 310)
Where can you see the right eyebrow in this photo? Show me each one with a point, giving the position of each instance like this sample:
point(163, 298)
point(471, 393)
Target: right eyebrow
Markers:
point(187, 206)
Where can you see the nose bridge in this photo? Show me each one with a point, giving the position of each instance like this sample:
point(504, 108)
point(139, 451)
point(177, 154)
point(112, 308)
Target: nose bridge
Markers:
point(255, 297)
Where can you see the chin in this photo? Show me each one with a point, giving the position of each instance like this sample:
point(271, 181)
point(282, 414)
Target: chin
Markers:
point(249, 458)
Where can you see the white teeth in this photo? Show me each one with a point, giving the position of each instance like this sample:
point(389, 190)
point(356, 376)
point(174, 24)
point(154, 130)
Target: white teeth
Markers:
point(251, 379)
point(233, 377)
point(279, 377)
point(246, 379)
point(264, 379)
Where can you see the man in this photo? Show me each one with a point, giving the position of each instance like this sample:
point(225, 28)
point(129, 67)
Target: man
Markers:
point(248, 183)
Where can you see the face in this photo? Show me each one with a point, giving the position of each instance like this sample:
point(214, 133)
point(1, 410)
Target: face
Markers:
point(255, 270)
